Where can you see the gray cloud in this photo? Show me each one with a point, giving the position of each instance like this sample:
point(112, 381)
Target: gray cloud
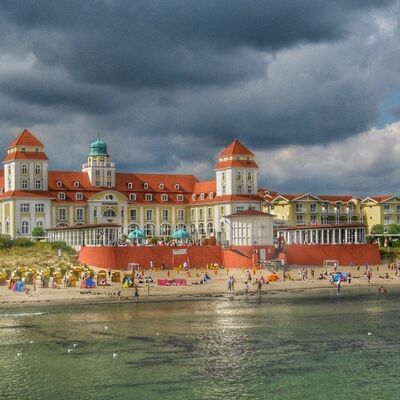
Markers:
point(168, 84)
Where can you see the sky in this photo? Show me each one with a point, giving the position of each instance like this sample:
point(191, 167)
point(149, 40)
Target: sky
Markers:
point(312, 87)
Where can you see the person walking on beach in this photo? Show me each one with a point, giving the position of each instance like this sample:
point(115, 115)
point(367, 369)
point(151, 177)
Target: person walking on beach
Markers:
point(259, 286)
point(229, 284)
point(246, 287)
point(338, 286)
point(136, 295)
point(369, 275)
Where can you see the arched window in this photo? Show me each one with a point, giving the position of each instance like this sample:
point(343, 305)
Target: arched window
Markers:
point(61, 196)
point(179, 197)
point(223, 227)
point(38, 169)
point(132, 227)
point(79, 196)
point(39, 224)
point(181, 226)
point(161, 186)
point(109, 197)
point(165, 229)
point(193, 229)
point(149, 230)
point(201, 229)
point(110, 212)
point(210, 228)
point(132, 196)
point(239, 176)
point(76, 184)
point(164, 197)
point(24, 169)
point(25, 228)
point(59, 184)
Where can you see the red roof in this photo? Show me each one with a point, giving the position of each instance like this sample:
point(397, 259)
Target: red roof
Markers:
point(236, 163)
point(25, 138)
point(21, 155)
point(228, 198)
point(236, 148)
point(205, 187)
point(246, 213)
point(27, 194)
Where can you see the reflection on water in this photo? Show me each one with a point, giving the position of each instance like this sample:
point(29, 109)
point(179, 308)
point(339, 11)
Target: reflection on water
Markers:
point(298, 347)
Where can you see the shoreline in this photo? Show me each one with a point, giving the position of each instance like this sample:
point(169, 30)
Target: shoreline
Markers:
point(101, 299)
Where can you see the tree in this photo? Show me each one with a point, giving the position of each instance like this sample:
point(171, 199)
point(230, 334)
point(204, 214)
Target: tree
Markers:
point(377, 229)
point(38, 232)
point(393, 229)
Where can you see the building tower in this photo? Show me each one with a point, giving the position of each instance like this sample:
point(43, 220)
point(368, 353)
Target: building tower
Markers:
point(100, 169)
point(26, 164)
point(236, 171)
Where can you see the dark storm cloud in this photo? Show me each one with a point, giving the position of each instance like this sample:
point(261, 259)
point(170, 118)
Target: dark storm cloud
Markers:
point(169, 83)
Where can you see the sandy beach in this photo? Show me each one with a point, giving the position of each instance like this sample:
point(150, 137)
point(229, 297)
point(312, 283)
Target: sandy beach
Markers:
point(217, 286)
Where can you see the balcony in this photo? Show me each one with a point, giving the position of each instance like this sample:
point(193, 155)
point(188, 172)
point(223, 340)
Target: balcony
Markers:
point(388, 211)
point(301, 210)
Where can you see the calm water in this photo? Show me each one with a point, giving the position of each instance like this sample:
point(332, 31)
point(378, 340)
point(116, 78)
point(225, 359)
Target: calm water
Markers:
point(286, 347)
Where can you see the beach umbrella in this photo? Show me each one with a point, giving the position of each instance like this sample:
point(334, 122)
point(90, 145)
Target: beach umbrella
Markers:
point(136, 234)
point(180, 234)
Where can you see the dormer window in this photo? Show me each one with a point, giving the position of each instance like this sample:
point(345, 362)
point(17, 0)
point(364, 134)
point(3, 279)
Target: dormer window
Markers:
point(130, 186)
point(177, 186)
point(149, 197)
point(61, 196)
point(164, 197)
point(59, 184)
point(37, 149)
point(23, 149)
point(76, 184)
point(109, 197)
point(211, 195)
point(145, 185)
point(202, 196)
point(193, 196)
point(79, 196)
point(179, 197)
point(161, 186)
point(132, 196)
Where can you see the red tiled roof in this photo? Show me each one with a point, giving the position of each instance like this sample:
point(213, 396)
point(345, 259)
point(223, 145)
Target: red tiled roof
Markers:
point(25, 138)
point(336, 198)
point(27, 194)
point(21, 155)
point(227, 198)
point(382, 198)
point(205, 187)
point(68, 178)
point(236, 163)
point(236, 148)
point(246, 213)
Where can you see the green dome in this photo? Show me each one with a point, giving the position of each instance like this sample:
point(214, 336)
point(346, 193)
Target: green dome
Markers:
point(98, 148)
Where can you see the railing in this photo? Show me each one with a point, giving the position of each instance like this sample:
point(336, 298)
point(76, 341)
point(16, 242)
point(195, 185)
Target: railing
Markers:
point(104, 164)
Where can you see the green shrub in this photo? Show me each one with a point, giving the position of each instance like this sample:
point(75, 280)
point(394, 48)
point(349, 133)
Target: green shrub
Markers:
point(22, 242)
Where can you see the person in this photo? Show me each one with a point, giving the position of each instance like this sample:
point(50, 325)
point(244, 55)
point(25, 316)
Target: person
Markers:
point(109, 273)
point(349, 278)
point(233, 282)
point(369, 275)
point(246, 287)
point(382, 290)
point(259, 286)
point(136, 293)
point(229, 284)
point(338, 286)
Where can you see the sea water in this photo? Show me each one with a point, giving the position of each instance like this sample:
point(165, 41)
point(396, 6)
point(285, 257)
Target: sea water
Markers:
point(286, 346)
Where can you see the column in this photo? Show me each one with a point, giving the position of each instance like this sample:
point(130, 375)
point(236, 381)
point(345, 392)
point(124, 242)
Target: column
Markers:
point(340, 236)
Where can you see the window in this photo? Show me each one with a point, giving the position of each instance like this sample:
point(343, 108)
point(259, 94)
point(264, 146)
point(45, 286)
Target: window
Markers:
point(130, 186)
point(181, 215)
point(109, 184)
point(97, 172)
point(398, 209)
point(223, 189)
point(202, 196)
point(108, 172)
point(149, 230)
point(239, 176)
point(24, 207)
point(39, 224)
point(110, 213)
point(24, 169)
point(177, 186)
point(133, 227)
point(239, 189)
point(79, 196)
point(299, 208)
point(165, 215)
point(165, 230)
point(38, 184)
point(387, 220)
point(109, 197)
point(132, 196)
point(179, 197)
point(249, 176)
point(39, 208)
point(161, 186)
point(146, 185)
point(299, 220)
point(181, 227)
point(62, 214)
point(79, 214)
point(201, 229)
point(210, 228)
point(223, 176)
point(38, 169)
point(24, 184)
point(59, 184)
point(201, 213)
point(37, 149)
point(95, 212)
point(211, 195)
point(23, 149)
point(77, 184)
point(313, 208)
point(193, 196)
point(313, 219)
point(398, 219)
point(192, 213)
point(61, 196)
point(193, 229)
point(164, 197)
point(25, 228)
point(209, 212)
point(97, 183)
point(133, 214)
point(239, 209)
point(222, 210)
point(149, 197)
point(249, 189)
point(149, 215)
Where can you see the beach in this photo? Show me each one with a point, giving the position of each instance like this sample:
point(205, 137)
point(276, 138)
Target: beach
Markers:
point(216, 286)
